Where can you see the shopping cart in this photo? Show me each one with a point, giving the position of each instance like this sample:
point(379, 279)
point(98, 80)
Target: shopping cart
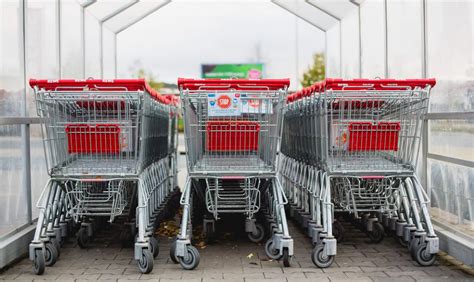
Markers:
point(232, 132)
point(352, 146)
point(110, 152)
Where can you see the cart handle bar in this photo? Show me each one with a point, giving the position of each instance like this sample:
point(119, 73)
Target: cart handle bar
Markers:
point(236, 84)
point(106, 85)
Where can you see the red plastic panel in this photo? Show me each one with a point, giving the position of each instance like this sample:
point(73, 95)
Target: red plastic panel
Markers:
point(225, 136)
point(237, 84)
point(365, 136)
point(86, 138)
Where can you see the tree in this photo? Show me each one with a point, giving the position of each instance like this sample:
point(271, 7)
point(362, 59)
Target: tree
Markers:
point(141, 73)
point(316, 72)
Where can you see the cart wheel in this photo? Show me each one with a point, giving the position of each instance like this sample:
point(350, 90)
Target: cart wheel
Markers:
point(38, 262)
point(155, 248)
point(377, 233)
point(286, 257)
point(191, 260)
point(422, 257)
point(259, 234)
point(83, 239)
point(402, 242)
point(51, 254)
point(271, 252)
point(208, 234)
point(57, 244)
point(338, 231)
point(413, 246)
point(145, 263)
point(173, 257)
point(319, 258)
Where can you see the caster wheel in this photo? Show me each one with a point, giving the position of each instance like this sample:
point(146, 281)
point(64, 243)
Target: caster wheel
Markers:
point(271, 252)
point(191, 260)
point(38, 262)
point(145, 263)
point(259, 234)
point(286, 257)
point(51, 254)
point(83, 239)
point(173, 257)
point(155, 248)
point(338, 231)
point(377, 234)
point(402, 242)
point(57, 244)
point(422, 257)
point(319, 258)
point(413, 246)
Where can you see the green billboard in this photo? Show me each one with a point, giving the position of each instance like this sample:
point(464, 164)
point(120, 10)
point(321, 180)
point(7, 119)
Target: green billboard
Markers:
point(252, 71)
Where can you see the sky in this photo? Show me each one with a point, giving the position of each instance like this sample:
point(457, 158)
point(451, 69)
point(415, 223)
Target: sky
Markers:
point(174, 41)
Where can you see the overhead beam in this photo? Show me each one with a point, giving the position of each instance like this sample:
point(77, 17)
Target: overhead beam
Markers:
point(143, 16)
point(294, 12)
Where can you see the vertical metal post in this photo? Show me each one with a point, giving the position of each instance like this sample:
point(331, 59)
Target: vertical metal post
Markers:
point(25, 128)
point(101, 49)
point(58, 16)
point(326, 54)
point(115, 55)
point(424, 39)
point(426, 132)
point(340, 49)
point(296, 53)
point(360, 41)
point(83, 42)
point(386, 73)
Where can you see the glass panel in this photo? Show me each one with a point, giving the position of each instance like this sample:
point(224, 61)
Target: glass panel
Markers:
point(109, 53)
point(453, 138)
point(132, 14)
point(372, 34)
point(12, 197)
point(92, 37)
point(39, 173)
point(450, 54)
point(404, 38)
point(350, 46)
point(11, 66)
point(452, 196)
point(72, 64)
point(42, 45)
point(103, 8)
point(333, 68)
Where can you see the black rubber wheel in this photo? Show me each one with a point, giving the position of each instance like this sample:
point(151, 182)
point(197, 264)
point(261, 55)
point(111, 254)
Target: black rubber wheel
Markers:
point(173, 257)
point(338, 231)
point(413, 246)
point(422, 257)
point(83, 239)
point(145, 263)
point(377, 234)
point(51, 254)
point(286, 257)
point(402, 242)
point(319, 258)
point(191, 260)
point(57, 244)
point(258, 236)
point(271, 252)
point(38, 262)
point(155, 248)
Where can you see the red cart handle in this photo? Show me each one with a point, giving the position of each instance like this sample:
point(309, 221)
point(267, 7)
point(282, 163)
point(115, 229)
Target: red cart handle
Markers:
point(72, 85)
point(237, 84)
point(376, 84)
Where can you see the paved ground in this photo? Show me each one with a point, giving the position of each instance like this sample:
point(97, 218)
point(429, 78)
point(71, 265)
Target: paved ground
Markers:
point(233, 258)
